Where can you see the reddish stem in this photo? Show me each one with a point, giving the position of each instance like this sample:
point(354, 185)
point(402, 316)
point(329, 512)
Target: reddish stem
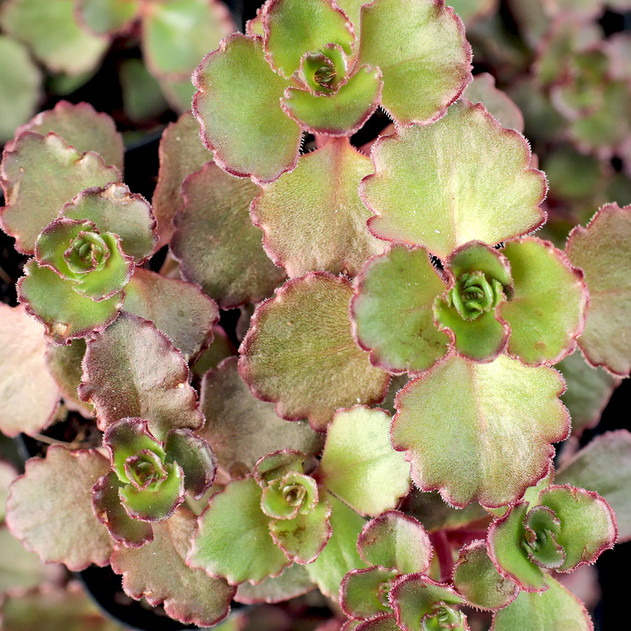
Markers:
point(442, 546)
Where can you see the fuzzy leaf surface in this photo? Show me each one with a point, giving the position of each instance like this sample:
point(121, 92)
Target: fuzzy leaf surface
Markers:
point(300, 353)
point(293, 581)
point(588, 525)
point(482, 90)
point(53, 34)
point(340, 553)
point(133, 370)
point(21, 80)
point(399, 286)
point(556, 608)
point(233, 538)
point(588, 391)
point(477, 579)
point(257, 138)
point(64, 312)
point(341, 113)
point(428, 191)
point(480, 431)
point(50, 508)
point(196, 458)
point(158, 572)
point(180, 310)
point(310, 225)
point(83, 128)
point(362, 592)
point(601, 251)
point(176, 34)
point(242, 428)
point(181, 153)
point(396, 540)
point(432, 56)
point(547, 311)
point(115, 209)
point(29, 392)
point(215, 242)
point(33, 159)
point(358, 463)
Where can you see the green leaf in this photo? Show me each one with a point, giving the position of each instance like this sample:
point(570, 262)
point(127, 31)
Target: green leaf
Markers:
point(303, 537)
point(507, 548)
point(341, 113)
point(477, 579)
point(215, 242)
point(50, 508)
point(604, 466)
point(588, 525)
point(300, 353)
point(33, 159)
point(474, 434)
point(547, 311)
point(108, 509)
point(358, 463)
point(242, 428)
point(278, 464)
point(195, 457)
point(155, 504)
point(21, 86)
point(399, 286)
point(158, 573)
point(257, 138)
point(415, 598)
point(181, 153)
point(601, 251)
point(396, 540)
point(54, 35)
point(288, 496)
point(471, 10)
point(432, 56)
point(115, 209)
point(364, 593)
point(65, 313)
point(219, 349)
point(293, 28)
point(380, 623)
point(482, 90)
point(177, 33)
point(29, 393)
point(142, 95)
point(543, 529)
point(588, 391)
point(132, 370)
point(293, 581)
point(107, 16)
point(340, 553)
point(233, 538)
point(180, 310)
point(83, 128)
point(428, 191)
point(556, 608)
point(328, 229)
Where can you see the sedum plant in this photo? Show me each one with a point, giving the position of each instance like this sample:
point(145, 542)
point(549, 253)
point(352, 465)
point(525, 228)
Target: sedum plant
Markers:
point(410, 347)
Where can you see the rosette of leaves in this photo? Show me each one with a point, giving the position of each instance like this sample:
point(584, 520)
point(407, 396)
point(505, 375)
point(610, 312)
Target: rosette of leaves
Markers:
point(149, 479)
point(563, 527)
point(84, 259)
point(479, 307)
point(306, 66)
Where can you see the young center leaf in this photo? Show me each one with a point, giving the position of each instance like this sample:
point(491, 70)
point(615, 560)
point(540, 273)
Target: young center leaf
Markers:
point(300, 353)
point(427, 190)
point(472, 433)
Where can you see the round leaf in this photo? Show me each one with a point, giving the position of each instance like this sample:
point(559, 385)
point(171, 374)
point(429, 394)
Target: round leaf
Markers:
point(257, 138)
point(299, 352)
point(480, 431)
point(428, 190)
point(107, 16)
point(358, 463)
point(215, 242)
point(602, 251)
point(364, 593)
point(431, 57)
point(313, 218)
point(292, 582)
